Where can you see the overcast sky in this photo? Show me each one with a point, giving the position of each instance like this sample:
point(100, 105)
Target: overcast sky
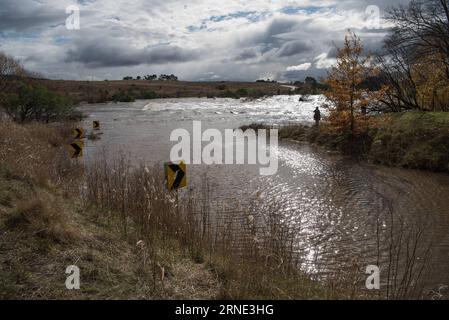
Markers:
point(196, 40)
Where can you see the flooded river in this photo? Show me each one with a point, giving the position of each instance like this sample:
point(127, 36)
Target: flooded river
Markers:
point(344, 213)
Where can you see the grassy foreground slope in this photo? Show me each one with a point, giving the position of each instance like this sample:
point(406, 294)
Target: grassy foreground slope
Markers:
point(41, 235)
point(128, 235)
point(45, 227)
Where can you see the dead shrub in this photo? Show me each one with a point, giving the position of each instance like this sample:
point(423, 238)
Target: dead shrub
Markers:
point(36, 152)
point(42, 218)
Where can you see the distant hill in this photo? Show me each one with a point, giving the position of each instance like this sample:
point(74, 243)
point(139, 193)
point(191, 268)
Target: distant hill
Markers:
point(102, 91)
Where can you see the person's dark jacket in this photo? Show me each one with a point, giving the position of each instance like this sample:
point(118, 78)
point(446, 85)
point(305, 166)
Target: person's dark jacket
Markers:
point(317, 115)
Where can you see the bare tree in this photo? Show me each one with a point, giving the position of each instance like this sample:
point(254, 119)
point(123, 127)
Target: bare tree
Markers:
point(396, 72)
point(9, 67)
point(422, 28)
point(415, 64)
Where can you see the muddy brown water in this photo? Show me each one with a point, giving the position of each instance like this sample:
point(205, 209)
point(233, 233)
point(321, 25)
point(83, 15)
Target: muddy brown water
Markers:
point(343, 212)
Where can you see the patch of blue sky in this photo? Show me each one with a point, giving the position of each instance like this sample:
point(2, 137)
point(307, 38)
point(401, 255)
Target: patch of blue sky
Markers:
point(19, 35)
point(85, 2)
point(197, 28)
point(292, 10)
point(251, 16)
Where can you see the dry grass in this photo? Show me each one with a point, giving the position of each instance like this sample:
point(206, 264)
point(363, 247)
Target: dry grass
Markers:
point(44, 228)
point(37, 153)
point(132, 239)
point(37, 216)
point(248, 251)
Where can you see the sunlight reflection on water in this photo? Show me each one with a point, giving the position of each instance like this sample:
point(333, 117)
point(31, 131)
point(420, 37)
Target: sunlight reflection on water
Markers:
point(333, 204)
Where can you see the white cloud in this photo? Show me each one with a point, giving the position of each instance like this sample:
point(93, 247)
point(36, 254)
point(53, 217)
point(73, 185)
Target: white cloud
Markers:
point(323, 62)
point(303, 66)
point(235, 39)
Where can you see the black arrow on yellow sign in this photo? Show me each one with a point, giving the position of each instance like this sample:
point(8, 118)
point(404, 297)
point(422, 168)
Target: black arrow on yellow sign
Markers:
point(78, 133)
point(176, 175)
point(76, 149)
point(96, 125)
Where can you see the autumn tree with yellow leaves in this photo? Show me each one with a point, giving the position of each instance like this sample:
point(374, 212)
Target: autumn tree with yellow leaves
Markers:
point(432, 84)
point(347, 95)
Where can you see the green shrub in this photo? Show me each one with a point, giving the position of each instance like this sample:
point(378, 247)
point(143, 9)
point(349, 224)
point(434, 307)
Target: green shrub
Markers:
point(242, 92)
point(149, 95)
point(122, 96)
point(38, 103)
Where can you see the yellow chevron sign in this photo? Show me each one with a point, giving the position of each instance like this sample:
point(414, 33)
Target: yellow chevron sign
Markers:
point(176, 175)
point(76, 149)
point(78, 133)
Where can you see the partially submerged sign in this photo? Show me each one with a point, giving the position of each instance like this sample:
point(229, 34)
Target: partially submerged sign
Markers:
point(176, 175)
point(76, 149)
point(96, 125)
point(78, 133)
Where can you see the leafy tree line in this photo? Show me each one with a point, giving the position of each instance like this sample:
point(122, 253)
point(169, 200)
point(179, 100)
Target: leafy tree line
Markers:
point(36, 102)
point(22, 99)
point(153, 77)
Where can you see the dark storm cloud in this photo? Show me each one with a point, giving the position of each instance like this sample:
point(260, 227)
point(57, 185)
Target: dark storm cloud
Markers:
point(272, 42)
point(246, 54)
point(25, 16)
point(371, 45)
point(292, 48)
point(374, 46)
point(101, 54)
point(302, 74)
point(271, 37)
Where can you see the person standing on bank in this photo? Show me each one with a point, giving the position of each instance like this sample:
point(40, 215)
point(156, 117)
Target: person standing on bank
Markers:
point(317, 116)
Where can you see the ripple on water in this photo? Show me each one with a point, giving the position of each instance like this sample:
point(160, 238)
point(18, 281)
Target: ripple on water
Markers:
point(335, 206)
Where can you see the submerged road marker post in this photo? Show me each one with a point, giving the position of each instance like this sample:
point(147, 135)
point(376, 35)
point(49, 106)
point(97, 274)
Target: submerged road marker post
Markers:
point(78, 133)
point(76, 149)
point(96, 125)
point(176, 175)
